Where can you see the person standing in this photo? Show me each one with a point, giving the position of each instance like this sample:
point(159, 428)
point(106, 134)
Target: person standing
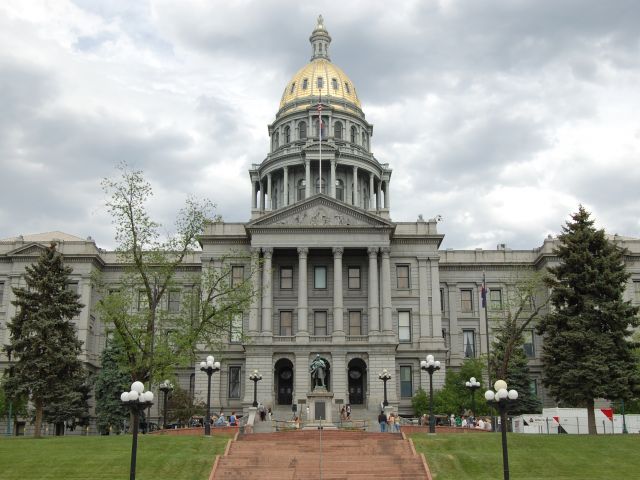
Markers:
point(348, 411)
point(382, 420)
point(396, 423)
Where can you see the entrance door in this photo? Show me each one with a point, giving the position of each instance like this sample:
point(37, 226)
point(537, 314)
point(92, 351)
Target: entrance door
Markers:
point(357, 374)
point(284, 382)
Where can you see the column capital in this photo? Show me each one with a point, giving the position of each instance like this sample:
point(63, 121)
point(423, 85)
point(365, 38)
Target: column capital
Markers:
point(373, 251)
point(268, 251)
point(385, 251)
point(303, 251)
point(285, 168)
point(338, 251)
point(255, 251)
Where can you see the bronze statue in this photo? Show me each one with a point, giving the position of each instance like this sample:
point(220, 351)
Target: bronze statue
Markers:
point(318, 370)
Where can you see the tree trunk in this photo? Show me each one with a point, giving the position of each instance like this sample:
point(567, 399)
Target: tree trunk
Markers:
point(591, 418)
point(37, 427)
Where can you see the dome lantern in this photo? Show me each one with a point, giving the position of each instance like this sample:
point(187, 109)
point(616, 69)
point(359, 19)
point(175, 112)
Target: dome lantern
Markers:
point(320, 41)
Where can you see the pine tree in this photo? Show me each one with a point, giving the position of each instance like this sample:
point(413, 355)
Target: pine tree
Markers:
point(43, 341)
point(110, 383)
point(586, 354)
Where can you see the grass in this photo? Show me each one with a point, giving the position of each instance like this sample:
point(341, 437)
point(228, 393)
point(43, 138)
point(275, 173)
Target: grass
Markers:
point(531, 457)
point(108, 457)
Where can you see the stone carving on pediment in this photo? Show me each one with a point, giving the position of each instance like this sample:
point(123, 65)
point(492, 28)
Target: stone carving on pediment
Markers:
point(30, 251)
point(318, 216)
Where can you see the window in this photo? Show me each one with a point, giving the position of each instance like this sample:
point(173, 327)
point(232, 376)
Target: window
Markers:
point(469, 343)
point(337, 130)
point(286, 278)
point(346, 87)
point(293, 86)
point(529, 348)
point(324, 127)
point(404, 326)
point(406, 384)
point(305, 83)
point(1, 293)
point(340, 190)
point(402, 274)
point(320, 323)
point(302, 187)
point(334, 83)
point(533, 387)
point(466, 304)
point(73, 287)
point(354, 278)
point(286, 322)
point(235, 335)
point(237, 275)
point(234, 382)
point(174, 301)
point(320, 82)
point(355, 322)
point(320, 277)
point(324, 186)
point(495, 299)
point(287, 134)
point(442, 299)
point(302, 130)
point(276, 140)
point(354, 134)
point(142, 300)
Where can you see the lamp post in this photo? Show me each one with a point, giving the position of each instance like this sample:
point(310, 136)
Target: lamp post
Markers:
point(165, 388)
point(385, 376)
point(502, 397)
point(430, 365)
point(209, 367)
point(473, 385)
point(137, 400)
point(255, 377)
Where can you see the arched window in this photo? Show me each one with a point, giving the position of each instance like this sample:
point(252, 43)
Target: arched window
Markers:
point(287, 134)
point(324, 127)
point(365, 140)
point(354, 134)
point(302, 130)
point(276, 140)
point(340, 190)
point(324, 186)
point(337, 130)
point(302, 184)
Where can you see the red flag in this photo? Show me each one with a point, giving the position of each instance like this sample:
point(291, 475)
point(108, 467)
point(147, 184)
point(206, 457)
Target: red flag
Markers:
point(608, 413)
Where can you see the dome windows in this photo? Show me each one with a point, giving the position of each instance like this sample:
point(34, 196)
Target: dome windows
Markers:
point(287, 134)
point(302, 130)
point(337, 130)
point(305, 83)
point(346, 87)
point(320, 82)
point(293, 86)
point(276, 140)
point(354, 134)
point(334, 83)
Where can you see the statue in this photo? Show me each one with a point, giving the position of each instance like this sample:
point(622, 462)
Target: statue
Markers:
point(318, 370)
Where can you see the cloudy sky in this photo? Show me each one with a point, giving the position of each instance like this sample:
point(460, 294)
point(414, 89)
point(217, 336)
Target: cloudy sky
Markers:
point(501, 116)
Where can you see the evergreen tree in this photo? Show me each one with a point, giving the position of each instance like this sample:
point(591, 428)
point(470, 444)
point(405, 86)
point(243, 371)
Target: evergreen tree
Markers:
point(43, 341)
point(110, 383)
point(586, 354)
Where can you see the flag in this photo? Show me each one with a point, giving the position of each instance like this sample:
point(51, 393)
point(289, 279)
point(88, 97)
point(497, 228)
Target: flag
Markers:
point(483, 291)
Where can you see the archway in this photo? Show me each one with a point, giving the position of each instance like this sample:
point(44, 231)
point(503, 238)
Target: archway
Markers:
point(357, 374)
point(284, 381)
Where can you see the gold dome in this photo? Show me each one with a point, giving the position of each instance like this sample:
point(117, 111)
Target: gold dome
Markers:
point(335, 84)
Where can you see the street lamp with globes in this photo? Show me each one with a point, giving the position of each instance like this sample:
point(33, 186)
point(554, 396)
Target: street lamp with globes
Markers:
point(385, 376)
point(137, 400)
point(165, 388)
point(473, 385)
point(430, 365)
point(503, 398)
point(255, 377)
point(209, 367)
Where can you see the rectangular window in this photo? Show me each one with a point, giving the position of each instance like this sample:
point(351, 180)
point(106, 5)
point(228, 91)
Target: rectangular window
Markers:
point(305, 82)
point(495, 299)
point(406, 384)
point(334, 83)
point(404, 326)
point(234, 382)
point(469, 343)
point(402, 273)
point(320, 323)
point(72, 287)
point(354, 278)
point(355, 322)
point(286, 322)
point(235, 336)
point(320, 81)
point(466, 301)
point(237, 275)
point(533, 387)
point(174, 301)
point(142, 300)
point(442, 299)
point(286, 278)
point(320, 277)
point(529, 348)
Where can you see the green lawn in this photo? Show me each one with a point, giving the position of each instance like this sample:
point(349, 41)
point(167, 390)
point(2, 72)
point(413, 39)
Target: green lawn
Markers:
point(108, 457)
point(556, 457)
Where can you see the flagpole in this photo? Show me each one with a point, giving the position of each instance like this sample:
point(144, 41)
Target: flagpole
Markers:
point(486, 320)
point(320, 142)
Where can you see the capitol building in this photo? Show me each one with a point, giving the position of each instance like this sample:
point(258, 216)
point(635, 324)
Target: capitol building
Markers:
point(340, 277)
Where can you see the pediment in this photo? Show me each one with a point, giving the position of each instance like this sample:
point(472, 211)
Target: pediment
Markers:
point(321, 211)
point(29, 250)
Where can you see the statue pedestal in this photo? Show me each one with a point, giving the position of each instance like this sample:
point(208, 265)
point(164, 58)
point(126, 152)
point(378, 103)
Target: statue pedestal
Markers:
point(321, 406)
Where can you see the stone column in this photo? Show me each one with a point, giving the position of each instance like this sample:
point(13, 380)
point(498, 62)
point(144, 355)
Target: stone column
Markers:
point(387, 195)
point(338, 315)
point(285, 201)
point(374, 309)
point(436, 308)
point(385, 290)
point(254, 309)
point(269, 192)
point(302, 291)
point(355, 186)
point(372, 202)
point(307, 178)
point(254, 192)
point(423, 280)
point(333, 179)
point(261, 195)
point(267, 294)
point(455, 346)
point(379, 196)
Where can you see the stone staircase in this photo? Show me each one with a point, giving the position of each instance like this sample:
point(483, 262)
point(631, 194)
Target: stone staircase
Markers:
point(296, 455)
